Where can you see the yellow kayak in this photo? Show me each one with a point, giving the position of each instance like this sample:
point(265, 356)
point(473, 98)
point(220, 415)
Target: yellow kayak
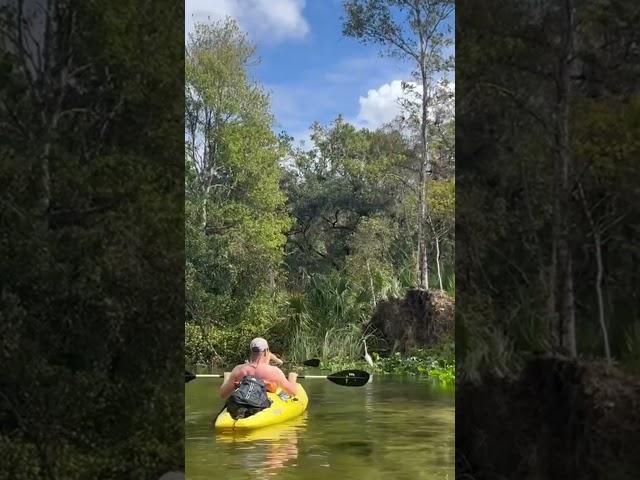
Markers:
point(280, 433)
point(280, 411)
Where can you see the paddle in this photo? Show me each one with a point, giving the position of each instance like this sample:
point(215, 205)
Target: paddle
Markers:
point(345, 378)
point(188, 376)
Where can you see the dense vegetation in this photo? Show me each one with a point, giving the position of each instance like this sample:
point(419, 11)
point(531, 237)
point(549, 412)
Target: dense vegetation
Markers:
point(91, 258)
point(299, 244)
point(547, 215)
point(548, 201)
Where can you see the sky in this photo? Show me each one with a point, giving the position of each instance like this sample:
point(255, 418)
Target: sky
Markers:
point(312, 72)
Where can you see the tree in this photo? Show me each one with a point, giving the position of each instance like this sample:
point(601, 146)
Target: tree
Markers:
point(92, 264)
point(545, 116)
point(348, 177)
point(441, 217)
point(420, 39)
point(563, 166)
point(48, 69)
point(218, 94)
point(236, 218)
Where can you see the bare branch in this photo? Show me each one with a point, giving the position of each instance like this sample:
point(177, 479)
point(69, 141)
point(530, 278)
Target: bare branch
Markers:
point(519, 102)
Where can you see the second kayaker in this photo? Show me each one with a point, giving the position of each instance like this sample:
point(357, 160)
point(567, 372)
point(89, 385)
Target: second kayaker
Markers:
point(258, 367)
point(273, 359)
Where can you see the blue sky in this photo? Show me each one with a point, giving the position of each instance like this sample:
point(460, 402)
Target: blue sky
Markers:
point(310, 69)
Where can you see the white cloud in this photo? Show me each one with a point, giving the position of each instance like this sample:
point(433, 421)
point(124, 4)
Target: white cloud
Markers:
point(269, 21)
point(383, 104)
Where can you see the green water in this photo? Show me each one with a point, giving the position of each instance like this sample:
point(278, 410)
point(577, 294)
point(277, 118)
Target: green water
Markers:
point(391, 428)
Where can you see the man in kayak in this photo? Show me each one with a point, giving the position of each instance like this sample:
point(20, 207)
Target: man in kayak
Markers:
point(258, 367)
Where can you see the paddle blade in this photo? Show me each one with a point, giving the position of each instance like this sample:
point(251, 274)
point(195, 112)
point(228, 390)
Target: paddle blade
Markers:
point(188, 376)
point(349, 378)
point(314, 362)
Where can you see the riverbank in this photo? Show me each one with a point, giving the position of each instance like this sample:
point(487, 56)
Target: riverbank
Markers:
point(417, 327)
point(437, 363)
point(559, 418)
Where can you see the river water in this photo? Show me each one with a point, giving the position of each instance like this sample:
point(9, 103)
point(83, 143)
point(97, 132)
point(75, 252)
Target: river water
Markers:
point(392, 428)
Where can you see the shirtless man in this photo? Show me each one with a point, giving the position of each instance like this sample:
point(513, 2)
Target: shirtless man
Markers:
point(258, 366)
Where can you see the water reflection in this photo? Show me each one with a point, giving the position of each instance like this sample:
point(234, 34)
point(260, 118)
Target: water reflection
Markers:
point(266, 450)
point(388, 429)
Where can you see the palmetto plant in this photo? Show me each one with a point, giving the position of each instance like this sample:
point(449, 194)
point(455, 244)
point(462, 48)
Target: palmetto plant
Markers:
point(328, 321)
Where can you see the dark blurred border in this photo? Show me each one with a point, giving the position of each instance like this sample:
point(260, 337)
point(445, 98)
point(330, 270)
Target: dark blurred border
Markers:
point(547, 228)
point(91, 239)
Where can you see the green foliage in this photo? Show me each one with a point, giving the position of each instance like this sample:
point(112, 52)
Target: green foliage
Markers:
point(326, 322)
point(451, 286)
point(216, 76)
point(441, 199)
point(401, 29)
point(91, 259)
point(236, 220)
point(348, 176)
point(508, 184)
point(354, 200)
point(416, 32)
point(437, 363)
point(309, 282)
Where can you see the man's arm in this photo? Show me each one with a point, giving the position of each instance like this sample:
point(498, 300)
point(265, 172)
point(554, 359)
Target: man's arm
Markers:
point(229, 384)
point(290, 387)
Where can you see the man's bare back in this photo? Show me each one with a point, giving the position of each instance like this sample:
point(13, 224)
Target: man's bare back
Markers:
point(259, 367)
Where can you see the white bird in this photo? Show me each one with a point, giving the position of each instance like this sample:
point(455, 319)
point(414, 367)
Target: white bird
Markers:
point(367, 357)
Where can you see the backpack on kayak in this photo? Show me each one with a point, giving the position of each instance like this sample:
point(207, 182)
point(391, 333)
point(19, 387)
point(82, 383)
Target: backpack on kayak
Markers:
point(248, 399)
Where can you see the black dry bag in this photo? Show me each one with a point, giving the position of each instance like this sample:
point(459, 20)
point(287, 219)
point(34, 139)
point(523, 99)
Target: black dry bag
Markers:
point(248, 399)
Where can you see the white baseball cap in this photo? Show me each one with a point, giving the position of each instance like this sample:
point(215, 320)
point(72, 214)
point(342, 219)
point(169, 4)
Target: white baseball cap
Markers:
point(259, 345)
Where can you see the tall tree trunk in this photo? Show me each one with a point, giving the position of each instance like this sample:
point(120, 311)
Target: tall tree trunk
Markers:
point(567, 300)
point(569, 312)
point(597, 237)
point(423, 278)
point(552, 287)
point(436, 240)
point(438, 262)
point(204, 209)
point(44, 182)
point(373, 291)
point(424, 169)
point(603, 323)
